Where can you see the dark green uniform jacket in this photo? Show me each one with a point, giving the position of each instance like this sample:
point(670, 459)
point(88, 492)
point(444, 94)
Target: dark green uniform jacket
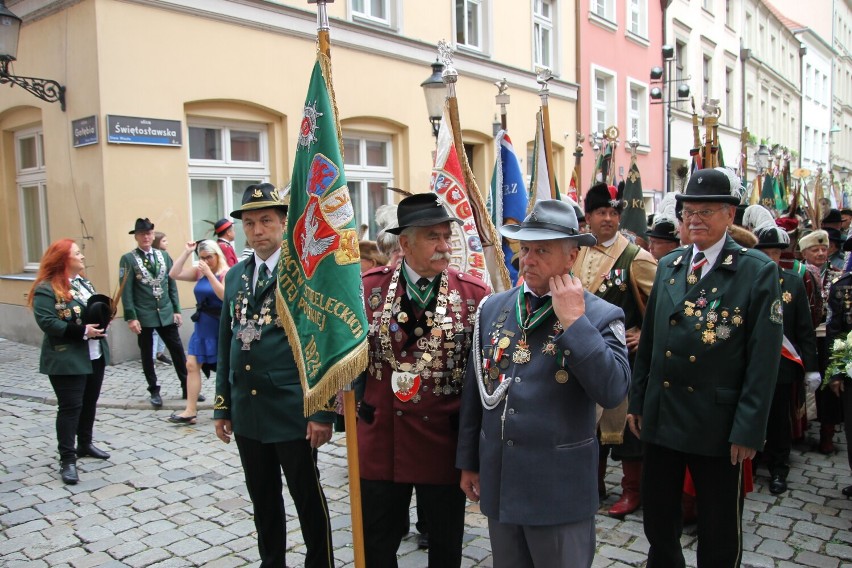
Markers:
point(258, 389)
point(708, 357)
point(798, 328)
point(63, 349)
point(138, 298)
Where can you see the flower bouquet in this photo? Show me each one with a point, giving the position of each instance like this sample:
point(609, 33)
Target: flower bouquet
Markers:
point(840, 360)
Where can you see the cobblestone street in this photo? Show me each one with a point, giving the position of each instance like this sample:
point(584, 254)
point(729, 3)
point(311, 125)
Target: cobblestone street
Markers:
point(175, 496)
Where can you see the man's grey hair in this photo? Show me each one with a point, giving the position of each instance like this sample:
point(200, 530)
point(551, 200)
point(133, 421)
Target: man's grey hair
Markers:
point(388, 243)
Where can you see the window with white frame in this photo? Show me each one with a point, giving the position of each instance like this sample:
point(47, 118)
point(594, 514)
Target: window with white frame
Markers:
point(707, 76)
point(543, 33)
point(637, 17)
point(680, 61)
point(470, 22)
point(377, 11)
point(224, 159)
point(31, 180)
point(368, 163)
point(707, 5)
point(603, 102)
point(729, 95)
point(604, 9)
point(729, 14)
point(637, 112)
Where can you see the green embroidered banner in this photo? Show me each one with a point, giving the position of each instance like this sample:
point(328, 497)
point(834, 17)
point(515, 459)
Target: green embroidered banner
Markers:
point(320, 296)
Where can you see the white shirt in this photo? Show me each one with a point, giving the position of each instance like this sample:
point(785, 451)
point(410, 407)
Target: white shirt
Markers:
point(271, 263)
point(711, 253)
point(94, 345)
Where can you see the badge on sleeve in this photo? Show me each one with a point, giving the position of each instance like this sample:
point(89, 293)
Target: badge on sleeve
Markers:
point(776, 312)
point(617, 328)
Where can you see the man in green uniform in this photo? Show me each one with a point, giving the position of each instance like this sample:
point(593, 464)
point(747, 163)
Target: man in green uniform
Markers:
point(704, 376)
point(259, 398)
point(150, 300)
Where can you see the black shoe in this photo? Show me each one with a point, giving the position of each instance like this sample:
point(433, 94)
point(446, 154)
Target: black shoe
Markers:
point(178, 419)
point(156, 400)
point(201, 397)
point(777, 485)
point(92, 452)
point(163, 358)
point(847, 491)
point(68, 473)
point(423, 540)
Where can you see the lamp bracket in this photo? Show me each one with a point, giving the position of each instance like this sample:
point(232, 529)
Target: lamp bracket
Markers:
point(46, 89)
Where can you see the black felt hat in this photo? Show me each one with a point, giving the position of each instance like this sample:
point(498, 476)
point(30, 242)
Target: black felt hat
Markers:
point(833, 216)
point(714, 185)
point(603, 195)
point(260, 196)
point(421, 210)
point(664, 229)
point(98, 310)
point(772, 237)
point(834, 235)
point(142, 226)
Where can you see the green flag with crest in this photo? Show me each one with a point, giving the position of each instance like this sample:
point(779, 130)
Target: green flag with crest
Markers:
point(320, 296)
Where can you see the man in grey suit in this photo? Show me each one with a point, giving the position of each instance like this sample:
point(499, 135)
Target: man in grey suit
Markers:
point(544, 354)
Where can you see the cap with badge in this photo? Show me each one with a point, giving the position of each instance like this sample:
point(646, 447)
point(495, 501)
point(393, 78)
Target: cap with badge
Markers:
point(421, 210)
point(550, 219)
point(142, 226)
point(813, 239)
point(713, 185)
point(603, 195)
point(261, 196)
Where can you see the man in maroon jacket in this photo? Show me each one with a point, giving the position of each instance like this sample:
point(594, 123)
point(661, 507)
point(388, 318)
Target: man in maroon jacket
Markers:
point(421, 315)
point(225, 235)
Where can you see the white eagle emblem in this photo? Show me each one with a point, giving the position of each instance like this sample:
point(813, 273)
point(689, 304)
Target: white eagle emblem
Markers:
point(311, 246)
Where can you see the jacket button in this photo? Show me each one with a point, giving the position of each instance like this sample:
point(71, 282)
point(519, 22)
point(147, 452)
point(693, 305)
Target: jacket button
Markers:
point(666, 384)
point(425, 419)
point(698, 326)
point(690, 389)
point(692, 358)
point(511, 411)
point(517, 379)
point(248, 367)
point(673, 322)
point(668, 353)
point(510, 443)
point(253, 392)
point(672, 281)
point(399, 412)
point(567, 352)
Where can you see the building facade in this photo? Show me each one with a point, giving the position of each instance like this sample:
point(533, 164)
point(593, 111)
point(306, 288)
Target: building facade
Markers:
point(227, 80)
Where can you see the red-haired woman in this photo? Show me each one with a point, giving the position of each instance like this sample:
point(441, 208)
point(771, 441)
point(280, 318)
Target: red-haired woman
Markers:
point(73, 353)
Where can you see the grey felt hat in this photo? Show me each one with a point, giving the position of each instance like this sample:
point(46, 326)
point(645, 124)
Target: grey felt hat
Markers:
point(550, 219)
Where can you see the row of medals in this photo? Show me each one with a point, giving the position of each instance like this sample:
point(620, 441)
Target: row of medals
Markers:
point(429, 345)
point(62, 310)
point(718, 323)
point(501, 339)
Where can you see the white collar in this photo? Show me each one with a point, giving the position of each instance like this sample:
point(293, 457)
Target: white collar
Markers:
point(609, 243)
point(528, 289)
point(711, 253)
point(413, 276)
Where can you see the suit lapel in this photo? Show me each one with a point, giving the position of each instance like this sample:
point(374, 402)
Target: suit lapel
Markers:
point(713, 285)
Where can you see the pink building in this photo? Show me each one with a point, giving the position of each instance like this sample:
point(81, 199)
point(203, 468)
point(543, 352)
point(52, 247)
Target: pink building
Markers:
point(620, 41)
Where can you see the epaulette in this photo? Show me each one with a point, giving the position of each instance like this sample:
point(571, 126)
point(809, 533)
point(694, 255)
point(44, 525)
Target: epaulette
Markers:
point(471, 280)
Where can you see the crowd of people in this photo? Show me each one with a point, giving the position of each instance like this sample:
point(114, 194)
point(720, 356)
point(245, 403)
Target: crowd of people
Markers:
point(688, 353)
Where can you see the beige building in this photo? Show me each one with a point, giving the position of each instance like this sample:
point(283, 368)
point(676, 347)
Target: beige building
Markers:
point(229, 78)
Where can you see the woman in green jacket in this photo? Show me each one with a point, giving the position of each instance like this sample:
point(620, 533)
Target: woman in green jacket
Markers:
point(74, 351)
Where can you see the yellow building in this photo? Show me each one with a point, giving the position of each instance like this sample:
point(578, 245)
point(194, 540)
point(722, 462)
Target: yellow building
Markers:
point(230, 78)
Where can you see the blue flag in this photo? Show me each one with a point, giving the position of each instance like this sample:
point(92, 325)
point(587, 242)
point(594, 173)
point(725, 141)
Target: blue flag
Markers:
point(508, 198)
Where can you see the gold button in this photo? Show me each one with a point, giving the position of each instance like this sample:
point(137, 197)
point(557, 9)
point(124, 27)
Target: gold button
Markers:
point(668, 353)
point(248, 367)
point(666, 384)
point(690, 389)
point(698, 326)
point(253, 392)
point(692, 358)
point(673, 322)
point(714, 290)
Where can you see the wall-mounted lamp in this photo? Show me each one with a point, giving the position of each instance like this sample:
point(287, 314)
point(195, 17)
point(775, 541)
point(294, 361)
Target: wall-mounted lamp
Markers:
point(10, 28)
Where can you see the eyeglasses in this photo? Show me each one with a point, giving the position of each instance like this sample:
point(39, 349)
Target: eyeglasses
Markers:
point(702, 214)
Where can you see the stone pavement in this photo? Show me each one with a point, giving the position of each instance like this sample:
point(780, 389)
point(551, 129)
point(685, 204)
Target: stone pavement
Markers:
point(175, 496)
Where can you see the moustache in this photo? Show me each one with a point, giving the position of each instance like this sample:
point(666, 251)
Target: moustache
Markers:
point(440, 256)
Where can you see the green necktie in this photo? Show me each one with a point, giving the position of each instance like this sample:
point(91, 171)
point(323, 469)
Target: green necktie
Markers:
point(262, 274)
